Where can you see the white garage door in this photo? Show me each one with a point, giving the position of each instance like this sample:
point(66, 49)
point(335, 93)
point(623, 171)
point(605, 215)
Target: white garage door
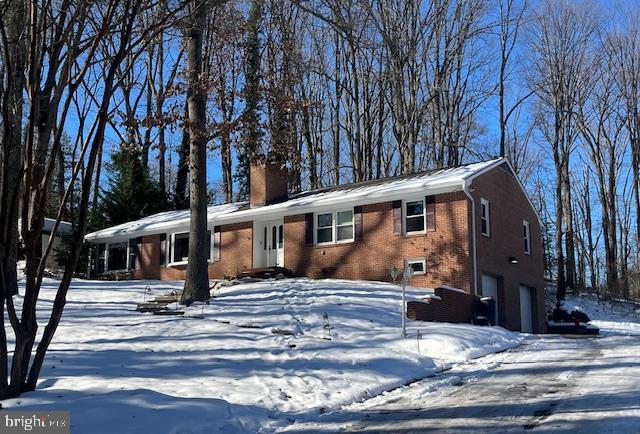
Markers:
point(490, 289)
point(526, 323)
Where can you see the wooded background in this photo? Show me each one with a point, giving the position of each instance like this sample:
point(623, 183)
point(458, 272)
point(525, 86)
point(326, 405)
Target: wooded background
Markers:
point(107, 107)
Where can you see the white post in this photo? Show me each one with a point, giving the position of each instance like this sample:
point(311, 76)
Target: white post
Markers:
point(404, 313)
point(406, 276)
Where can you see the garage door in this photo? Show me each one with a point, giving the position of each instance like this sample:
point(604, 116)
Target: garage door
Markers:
point(490, 289)
point(526, 316)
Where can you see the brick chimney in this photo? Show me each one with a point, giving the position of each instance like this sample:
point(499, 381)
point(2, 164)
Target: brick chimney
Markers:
point(268, 184)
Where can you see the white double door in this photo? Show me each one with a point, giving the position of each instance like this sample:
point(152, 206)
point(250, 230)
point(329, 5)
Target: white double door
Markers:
point(269, 250)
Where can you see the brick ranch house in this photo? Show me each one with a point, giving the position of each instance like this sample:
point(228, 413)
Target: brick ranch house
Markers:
point(468, 231)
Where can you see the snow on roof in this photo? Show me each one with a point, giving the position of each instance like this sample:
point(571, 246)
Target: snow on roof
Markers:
point(165, 220)
point(64, 227)
point(439, 181)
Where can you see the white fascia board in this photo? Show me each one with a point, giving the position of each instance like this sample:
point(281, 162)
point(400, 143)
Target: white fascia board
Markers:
point(300, 205)
point(496, 164)
point(272, 212)
point(276, 211)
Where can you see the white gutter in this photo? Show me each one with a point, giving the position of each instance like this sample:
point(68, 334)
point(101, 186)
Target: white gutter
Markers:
point(474, 266)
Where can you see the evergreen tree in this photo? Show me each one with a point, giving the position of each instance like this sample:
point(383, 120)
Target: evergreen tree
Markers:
point(252, 132)
point(131, 194)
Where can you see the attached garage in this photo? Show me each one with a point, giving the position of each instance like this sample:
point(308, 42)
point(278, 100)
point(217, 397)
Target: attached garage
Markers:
point(526, 309)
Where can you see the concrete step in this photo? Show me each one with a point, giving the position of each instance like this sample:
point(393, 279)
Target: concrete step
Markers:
point(151, 307)
point(169, 312)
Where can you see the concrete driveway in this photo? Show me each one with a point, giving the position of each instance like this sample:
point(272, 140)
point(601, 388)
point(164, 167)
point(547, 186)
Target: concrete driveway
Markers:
point(549, 384)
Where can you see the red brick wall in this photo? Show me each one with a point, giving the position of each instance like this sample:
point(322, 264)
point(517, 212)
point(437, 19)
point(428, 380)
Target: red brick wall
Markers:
point(508, 207)
point(235, 255)
point(446, 250)
point(268, 184)
point(149, 258)
point(454, 306)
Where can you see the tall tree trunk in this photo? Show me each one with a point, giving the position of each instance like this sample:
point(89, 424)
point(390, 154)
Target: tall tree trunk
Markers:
point(196, 285)
point(569, 231)
point(15, 19)
point(183, 163)
point(225, 154)
point(561, 281)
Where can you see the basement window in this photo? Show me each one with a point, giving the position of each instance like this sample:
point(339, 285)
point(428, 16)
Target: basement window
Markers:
point(418, 265)
point(485, 217)
point(526, 235)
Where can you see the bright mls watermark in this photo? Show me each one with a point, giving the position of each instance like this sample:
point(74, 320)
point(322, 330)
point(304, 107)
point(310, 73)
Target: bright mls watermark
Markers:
point(44, 422)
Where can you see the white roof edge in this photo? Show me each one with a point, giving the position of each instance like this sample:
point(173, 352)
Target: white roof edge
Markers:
point(454, 182)
point(263, 213)
point(469, 180)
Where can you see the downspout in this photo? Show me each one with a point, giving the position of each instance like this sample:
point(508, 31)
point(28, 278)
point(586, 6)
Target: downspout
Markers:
point(474, 266)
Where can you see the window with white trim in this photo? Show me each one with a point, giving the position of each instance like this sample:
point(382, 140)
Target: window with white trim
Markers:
point(180, 247)
point(485, 217)
point(335, 227)
point(414, 216)
point(344, 226)
point(324, 228)
point(526, 236)
point(418, 265)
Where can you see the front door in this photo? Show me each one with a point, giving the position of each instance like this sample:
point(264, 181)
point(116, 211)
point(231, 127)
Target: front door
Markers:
point(273, 243)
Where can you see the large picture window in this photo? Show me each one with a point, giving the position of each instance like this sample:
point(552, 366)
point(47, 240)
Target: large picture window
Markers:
point(117, 256)
point(414, 216)
point(180, 247)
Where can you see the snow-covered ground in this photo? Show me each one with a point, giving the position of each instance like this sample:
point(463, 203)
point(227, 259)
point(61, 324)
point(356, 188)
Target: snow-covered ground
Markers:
point(611, 317)
point(550, 383)
point(260, 356)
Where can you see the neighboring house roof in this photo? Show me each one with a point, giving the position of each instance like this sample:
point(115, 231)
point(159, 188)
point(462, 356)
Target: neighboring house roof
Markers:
point(47, 226)
point(63, 228)
point(361, 193)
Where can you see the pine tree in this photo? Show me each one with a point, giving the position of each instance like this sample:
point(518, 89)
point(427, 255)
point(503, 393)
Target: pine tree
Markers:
point(131, 194)
point(252, 132)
